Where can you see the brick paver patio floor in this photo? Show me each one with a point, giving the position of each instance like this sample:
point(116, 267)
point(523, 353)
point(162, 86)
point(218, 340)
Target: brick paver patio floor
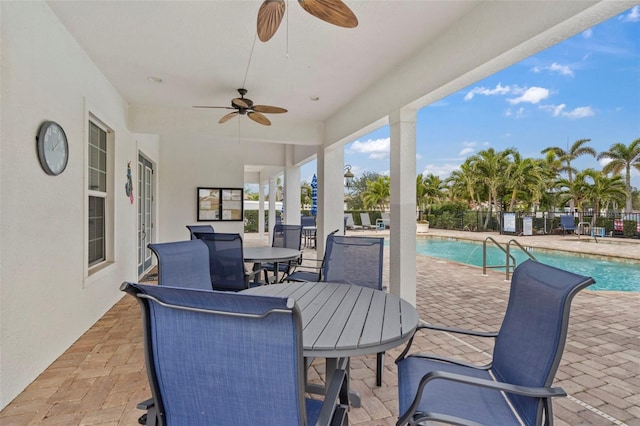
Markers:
point(99, 380)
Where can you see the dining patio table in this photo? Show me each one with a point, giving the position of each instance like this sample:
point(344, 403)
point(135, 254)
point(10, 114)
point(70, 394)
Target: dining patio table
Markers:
point(275, 255)
point(344, 320)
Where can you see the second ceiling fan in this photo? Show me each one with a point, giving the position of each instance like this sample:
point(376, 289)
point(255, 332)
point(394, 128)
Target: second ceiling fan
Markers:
point(332, 11)
point(245, 106)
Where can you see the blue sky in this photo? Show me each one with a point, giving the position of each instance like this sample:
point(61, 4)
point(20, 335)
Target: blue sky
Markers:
point(587, 86)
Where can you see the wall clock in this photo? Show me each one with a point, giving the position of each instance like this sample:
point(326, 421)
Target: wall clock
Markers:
point(53, 149)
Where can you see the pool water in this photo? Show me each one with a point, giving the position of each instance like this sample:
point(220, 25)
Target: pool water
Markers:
point(609, 274)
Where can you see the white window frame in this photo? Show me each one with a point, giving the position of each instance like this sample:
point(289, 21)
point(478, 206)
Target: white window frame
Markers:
point(109, 231)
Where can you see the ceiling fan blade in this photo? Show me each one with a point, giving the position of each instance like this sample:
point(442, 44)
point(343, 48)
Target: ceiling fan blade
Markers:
point(332, 11)
point(259, 118)
point(240, 103)
point(207, 106)
point(228, 117)
point(268, 109)
point(269, 17)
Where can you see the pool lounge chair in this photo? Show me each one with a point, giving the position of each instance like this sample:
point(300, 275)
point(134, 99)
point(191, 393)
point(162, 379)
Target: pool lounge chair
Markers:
point(349, 223)
point(526, 354)
point(366, 221)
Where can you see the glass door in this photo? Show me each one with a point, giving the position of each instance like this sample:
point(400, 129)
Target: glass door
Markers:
point(145, 213)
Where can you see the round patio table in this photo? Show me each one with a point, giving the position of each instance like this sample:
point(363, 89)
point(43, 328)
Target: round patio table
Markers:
point(275, 255)
point(344, 320)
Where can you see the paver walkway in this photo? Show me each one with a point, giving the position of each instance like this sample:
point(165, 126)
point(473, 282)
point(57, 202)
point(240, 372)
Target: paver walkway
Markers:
point(99, 380)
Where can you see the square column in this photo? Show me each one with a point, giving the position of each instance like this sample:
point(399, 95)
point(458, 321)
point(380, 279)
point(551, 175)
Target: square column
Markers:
point(330, 164)
point(291, 189)
point(402, 274)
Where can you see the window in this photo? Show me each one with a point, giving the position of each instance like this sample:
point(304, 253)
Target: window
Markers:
point(98, 202)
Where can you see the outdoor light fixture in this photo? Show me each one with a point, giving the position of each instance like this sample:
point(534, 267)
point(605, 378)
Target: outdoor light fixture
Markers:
point(348, 176)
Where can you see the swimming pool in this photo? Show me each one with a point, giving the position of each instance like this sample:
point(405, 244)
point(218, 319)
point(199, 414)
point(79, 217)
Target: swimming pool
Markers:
point(609, 274)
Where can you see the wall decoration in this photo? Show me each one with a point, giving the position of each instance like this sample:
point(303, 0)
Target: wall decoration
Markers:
point(220, 204)
point(128, 186)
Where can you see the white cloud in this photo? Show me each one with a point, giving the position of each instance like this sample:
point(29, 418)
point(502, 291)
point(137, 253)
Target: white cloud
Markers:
point(519, 113)
point(587, 33)
point(556, 68)
point(632, 16)
point(466, 151)
point(559, 111)
point(418, 156)
point(580, 112)
point(376, 149)
point(498, 90)
point(532, 95)
point(442, 170)
point(604, 161)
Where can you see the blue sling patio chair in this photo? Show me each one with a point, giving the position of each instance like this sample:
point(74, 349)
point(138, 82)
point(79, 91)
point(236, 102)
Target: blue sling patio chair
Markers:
point(226, 261)
point(568, 224)
point(358, 261)
point(285, 236)
point(526, 354)
point(308, 270)
point(183, 264)
point(220, 358)
point(199, 228)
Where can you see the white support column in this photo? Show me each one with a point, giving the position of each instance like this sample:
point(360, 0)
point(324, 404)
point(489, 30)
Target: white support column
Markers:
point(402, 274)
point(291, 189)
point(273, 187)
point(330, 163)
point(260, 209)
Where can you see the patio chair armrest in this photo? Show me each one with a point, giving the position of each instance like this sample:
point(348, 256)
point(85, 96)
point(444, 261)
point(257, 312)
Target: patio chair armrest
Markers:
point(450, 360)
point(336, 399)
point(534, 392)
point(425, 326)
point(476, 333)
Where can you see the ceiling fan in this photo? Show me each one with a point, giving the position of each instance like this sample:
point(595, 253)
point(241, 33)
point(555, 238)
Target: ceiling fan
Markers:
point(245, 106)
point(332, 11)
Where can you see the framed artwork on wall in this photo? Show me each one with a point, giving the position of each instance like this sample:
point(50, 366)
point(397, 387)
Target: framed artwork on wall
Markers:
point(220, 204)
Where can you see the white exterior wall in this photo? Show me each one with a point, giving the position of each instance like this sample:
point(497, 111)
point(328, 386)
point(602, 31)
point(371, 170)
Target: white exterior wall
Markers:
point(46, 299)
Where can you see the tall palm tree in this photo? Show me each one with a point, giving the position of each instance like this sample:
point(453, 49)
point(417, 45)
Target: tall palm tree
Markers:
point(490, 166)
point(464, 182)
point(623, 158)
point(377, 193)
point(523, 177)
point(576, 150)
point(434, 190)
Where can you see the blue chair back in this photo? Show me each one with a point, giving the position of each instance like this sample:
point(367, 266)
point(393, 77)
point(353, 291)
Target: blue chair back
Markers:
point(567, 222)
point(287, 236)
point(307, 221)
point(529, 345)
point(226, 260)
point(183, 264)
point(220, 358)
point(354, 260)
point(199, 228)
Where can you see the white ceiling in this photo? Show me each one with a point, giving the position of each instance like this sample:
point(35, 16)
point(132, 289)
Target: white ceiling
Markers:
point(402, 52)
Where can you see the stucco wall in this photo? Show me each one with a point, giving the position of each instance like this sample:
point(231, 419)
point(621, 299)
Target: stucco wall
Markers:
point(47, 300)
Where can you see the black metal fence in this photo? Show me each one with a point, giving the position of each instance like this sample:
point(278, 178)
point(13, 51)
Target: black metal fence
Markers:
point(540, 223)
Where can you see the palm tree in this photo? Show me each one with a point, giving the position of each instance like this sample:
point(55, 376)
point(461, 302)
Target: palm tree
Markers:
point(566, 157)
point(464, 182)
point(377, 193)
point(490, 166)
point(435, 189)
point(523, 177)
point(599, 190)
point(623, 158)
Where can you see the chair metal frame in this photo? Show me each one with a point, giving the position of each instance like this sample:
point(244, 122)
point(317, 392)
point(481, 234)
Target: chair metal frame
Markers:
point(199, 228)
point(183, 264)
point(523, 368)
point(285, 236)
point(164, 305)
point(225, 284)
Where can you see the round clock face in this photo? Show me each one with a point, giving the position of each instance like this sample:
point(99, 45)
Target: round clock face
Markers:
point(53, 149)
